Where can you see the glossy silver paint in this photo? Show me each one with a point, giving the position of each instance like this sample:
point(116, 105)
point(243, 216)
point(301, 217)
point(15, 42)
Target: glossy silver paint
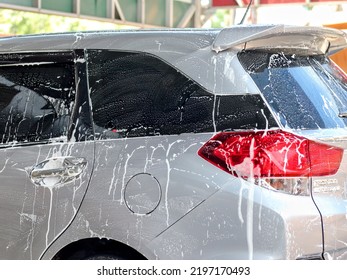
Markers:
point(33, 215)
point(155, 194)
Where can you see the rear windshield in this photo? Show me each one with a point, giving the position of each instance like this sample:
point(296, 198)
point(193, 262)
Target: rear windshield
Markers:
point(304, 92)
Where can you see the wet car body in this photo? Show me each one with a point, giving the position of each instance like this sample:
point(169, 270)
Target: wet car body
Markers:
point(173, 144)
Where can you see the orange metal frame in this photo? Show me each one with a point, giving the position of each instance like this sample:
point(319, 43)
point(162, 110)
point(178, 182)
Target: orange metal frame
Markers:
point(341, 57)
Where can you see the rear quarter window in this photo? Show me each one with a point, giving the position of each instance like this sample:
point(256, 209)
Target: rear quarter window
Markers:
point(137, 94)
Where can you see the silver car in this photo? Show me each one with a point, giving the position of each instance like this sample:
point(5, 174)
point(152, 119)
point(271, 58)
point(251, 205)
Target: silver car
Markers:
point(174, 144)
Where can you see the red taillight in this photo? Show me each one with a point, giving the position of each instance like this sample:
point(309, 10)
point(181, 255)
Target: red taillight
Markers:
point(270, 154)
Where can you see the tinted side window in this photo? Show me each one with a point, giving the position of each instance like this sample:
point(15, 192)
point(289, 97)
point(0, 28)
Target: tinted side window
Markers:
point(36, 98)
point(136, 94)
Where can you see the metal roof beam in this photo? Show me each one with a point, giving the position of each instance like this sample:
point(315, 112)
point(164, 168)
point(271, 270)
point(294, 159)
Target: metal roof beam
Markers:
point(140, 13)
point(187, 17)
point(169, 13)
point(141, 9)
point(117, 6)
point(76, 6)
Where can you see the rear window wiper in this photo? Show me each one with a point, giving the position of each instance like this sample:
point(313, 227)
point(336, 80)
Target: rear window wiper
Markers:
point(343, 115)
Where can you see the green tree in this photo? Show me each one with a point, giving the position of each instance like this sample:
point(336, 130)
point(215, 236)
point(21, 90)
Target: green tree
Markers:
point(218, 19)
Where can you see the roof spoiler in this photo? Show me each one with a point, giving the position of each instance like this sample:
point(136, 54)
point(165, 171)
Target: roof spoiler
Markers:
point(305, 40)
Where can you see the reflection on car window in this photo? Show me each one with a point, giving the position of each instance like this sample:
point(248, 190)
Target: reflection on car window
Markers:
point(35, 101)
point(303, 91)
point(136, 94)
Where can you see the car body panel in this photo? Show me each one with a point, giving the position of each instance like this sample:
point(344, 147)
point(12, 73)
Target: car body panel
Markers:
point(154, 193)
point(330, 195)
point(171, 161)
point(243, 222)
point(33, 216)
point(222, 217)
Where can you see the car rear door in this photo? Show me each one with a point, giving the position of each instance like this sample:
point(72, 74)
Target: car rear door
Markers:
point(45, 157)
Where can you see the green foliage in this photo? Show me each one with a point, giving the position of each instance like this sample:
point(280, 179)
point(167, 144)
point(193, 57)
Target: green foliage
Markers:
point(218, 20)
point(18, 22)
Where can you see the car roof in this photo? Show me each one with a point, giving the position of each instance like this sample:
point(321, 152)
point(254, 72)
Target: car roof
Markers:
point(208, 56)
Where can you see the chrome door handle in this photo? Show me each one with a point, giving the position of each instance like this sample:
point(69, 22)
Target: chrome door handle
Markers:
point(57, 171)
point(47, 173)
